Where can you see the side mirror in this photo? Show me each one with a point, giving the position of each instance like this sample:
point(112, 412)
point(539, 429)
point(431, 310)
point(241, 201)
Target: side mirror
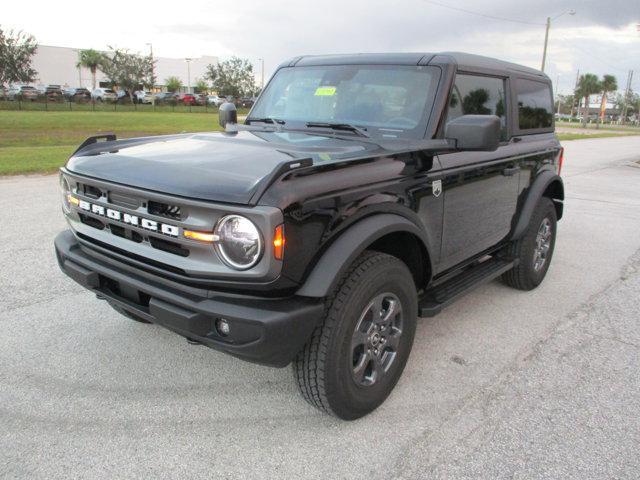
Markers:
point(474, 132)
point(227, 114)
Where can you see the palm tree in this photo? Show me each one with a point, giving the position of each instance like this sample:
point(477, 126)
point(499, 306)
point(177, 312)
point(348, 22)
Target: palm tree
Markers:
point(608, 84)
point(173, 84)
point(587, 85)
point(91, 59)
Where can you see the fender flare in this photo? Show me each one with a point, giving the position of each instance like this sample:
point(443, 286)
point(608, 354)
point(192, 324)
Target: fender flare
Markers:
point(344, 250)
point(536, 191)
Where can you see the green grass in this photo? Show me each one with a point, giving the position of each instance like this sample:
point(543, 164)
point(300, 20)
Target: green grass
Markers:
point(592, 126)
point(583, 136)
point(40, 142)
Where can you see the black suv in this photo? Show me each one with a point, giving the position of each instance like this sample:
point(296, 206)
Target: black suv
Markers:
point(361, 192)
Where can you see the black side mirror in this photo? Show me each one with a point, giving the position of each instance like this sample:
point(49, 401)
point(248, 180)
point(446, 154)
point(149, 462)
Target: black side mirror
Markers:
point(474, 132)
point(227, 113)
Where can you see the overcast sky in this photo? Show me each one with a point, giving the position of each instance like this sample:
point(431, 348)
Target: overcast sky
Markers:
point(602, 36)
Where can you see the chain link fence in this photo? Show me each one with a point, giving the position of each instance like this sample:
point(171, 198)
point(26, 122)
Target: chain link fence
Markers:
point(45, 105)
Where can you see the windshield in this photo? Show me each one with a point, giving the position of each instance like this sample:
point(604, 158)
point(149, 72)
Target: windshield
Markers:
point(386, 100)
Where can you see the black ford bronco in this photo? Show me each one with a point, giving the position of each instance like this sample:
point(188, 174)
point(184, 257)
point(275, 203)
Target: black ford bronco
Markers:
point(361, 192)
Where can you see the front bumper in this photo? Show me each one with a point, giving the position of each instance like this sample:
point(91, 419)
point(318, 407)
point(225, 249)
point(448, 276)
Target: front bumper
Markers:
point(265, 331)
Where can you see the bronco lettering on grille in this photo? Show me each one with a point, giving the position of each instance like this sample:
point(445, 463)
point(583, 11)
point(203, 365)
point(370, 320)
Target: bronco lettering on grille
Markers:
point(133, 220)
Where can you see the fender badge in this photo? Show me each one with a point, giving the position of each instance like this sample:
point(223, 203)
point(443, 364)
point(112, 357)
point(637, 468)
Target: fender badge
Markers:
point(436, 188)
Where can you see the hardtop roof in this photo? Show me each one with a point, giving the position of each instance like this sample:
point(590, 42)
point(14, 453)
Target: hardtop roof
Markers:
point(464, 61)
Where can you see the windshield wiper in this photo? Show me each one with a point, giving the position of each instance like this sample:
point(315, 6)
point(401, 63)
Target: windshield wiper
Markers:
point(340, 126)
point(266, 120)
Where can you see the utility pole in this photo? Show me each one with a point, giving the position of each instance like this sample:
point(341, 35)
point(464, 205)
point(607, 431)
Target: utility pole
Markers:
point(575, 89)
point(558, 92)
point(188, 60)
point(546, 35)
point(626, 96)
point(546, 41)
point(261, 74)
point(153, 73)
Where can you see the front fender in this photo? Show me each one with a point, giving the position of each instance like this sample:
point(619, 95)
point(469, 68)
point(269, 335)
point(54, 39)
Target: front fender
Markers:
point(346, 248)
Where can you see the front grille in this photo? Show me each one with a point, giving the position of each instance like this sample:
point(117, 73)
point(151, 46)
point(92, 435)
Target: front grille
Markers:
point(167, 246)
point(164, 210)
point(92, 222)
point(132, 256)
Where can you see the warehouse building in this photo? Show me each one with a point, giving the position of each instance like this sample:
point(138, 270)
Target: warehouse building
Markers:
point(57, 65)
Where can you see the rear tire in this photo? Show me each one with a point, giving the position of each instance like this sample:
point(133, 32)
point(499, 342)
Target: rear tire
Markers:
point(534, 249)
point(356, 355)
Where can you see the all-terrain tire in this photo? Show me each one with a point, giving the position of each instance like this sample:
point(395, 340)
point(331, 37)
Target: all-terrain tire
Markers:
point(526, 276)
point(324, 368)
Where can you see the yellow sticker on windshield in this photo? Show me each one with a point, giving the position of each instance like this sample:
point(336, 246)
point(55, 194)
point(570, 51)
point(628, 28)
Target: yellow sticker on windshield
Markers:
point(325, 91)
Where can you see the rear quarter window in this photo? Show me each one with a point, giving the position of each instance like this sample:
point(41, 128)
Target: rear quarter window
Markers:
point(535, 107)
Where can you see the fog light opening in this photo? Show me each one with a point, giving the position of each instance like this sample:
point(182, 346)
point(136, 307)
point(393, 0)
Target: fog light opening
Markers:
point(222, 326)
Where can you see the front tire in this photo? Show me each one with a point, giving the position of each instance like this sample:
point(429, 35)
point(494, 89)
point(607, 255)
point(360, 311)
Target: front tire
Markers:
point(535, 249)
point(357, 353)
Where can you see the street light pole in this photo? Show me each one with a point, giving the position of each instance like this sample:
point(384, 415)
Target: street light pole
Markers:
point(188, 60)
point(546, 35)
point(546, 41)
point(261, 73)
point(153, 72)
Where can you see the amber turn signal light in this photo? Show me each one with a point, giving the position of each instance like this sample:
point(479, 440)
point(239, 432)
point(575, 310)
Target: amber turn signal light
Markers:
point(201, 236)
point(278, 242)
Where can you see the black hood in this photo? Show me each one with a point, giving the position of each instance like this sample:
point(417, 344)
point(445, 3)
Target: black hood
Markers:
point(223, 167)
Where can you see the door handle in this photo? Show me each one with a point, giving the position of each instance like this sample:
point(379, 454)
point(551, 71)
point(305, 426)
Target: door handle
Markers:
point(511, 171)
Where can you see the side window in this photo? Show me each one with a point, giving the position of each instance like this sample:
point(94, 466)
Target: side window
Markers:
point(535, 109)
point(476, 95)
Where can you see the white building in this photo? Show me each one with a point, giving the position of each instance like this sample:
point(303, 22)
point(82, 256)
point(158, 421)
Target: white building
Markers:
point(57, 65)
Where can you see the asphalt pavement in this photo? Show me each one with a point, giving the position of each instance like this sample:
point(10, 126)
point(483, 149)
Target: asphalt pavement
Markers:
point(502, 384)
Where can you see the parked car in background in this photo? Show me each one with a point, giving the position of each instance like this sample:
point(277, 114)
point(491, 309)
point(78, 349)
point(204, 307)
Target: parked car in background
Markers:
point(79, 94)
point(104, 95)
point(123, 96)
point(22, 92)
point(142, 96)
point(247, 102)
point(216, 100)
point(187, 99)
point(165, 97)
point(52, 93)
point(201, 99)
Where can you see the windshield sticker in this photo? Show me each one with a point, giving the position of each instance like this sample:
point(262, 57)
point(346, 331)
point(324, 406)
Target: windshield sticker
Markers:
point(325, 91)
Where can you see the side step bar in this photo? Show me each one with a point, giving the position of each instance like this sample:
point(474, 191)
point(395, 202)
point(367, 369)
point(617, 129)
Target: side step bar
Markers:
point(445, 294)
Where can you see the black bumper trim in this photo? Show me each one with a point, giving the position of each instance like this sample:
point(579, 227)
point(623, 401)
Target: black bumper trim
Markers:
point(263, 330)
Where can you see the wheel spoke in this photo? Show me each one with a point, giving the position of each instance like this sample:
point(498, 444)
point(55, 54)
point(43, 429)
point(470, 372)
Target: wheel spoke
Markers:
point(376, 339)
point(391, 313)
point(360, 369)
point(359, 338)
point(392, 341)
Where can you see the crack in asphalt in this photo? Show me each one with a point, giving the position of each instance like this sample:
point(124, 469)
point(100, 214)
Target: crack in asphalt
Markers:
point(482, 396)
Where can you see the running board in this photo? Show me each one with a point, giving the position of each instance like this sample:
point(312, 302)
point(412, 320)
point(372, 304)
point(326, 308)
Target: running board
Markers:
point(448, 292)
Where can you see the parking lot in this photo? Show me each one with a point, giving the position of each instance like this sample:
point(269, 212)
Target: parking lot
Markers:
point(503, 384)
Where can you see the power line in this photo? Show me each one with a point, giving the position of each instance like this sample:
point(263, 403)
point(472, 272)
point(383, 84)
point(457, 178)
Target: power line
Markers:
point(470, 12)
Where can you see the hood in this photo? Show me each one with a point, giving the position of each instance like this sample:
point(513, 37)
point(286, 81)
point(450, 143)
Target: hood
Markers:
point(222, 167)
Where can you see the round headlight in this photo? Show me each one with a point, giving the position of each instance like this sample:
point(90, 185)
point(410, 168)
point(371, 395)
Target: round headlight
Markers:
point(240, 244)
point(66, 191)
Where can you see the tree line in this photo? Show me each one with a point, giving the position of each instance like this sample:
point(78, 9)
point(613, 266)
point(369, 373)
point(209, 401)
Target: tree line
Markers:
point(588, 85)
point(123, 69)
